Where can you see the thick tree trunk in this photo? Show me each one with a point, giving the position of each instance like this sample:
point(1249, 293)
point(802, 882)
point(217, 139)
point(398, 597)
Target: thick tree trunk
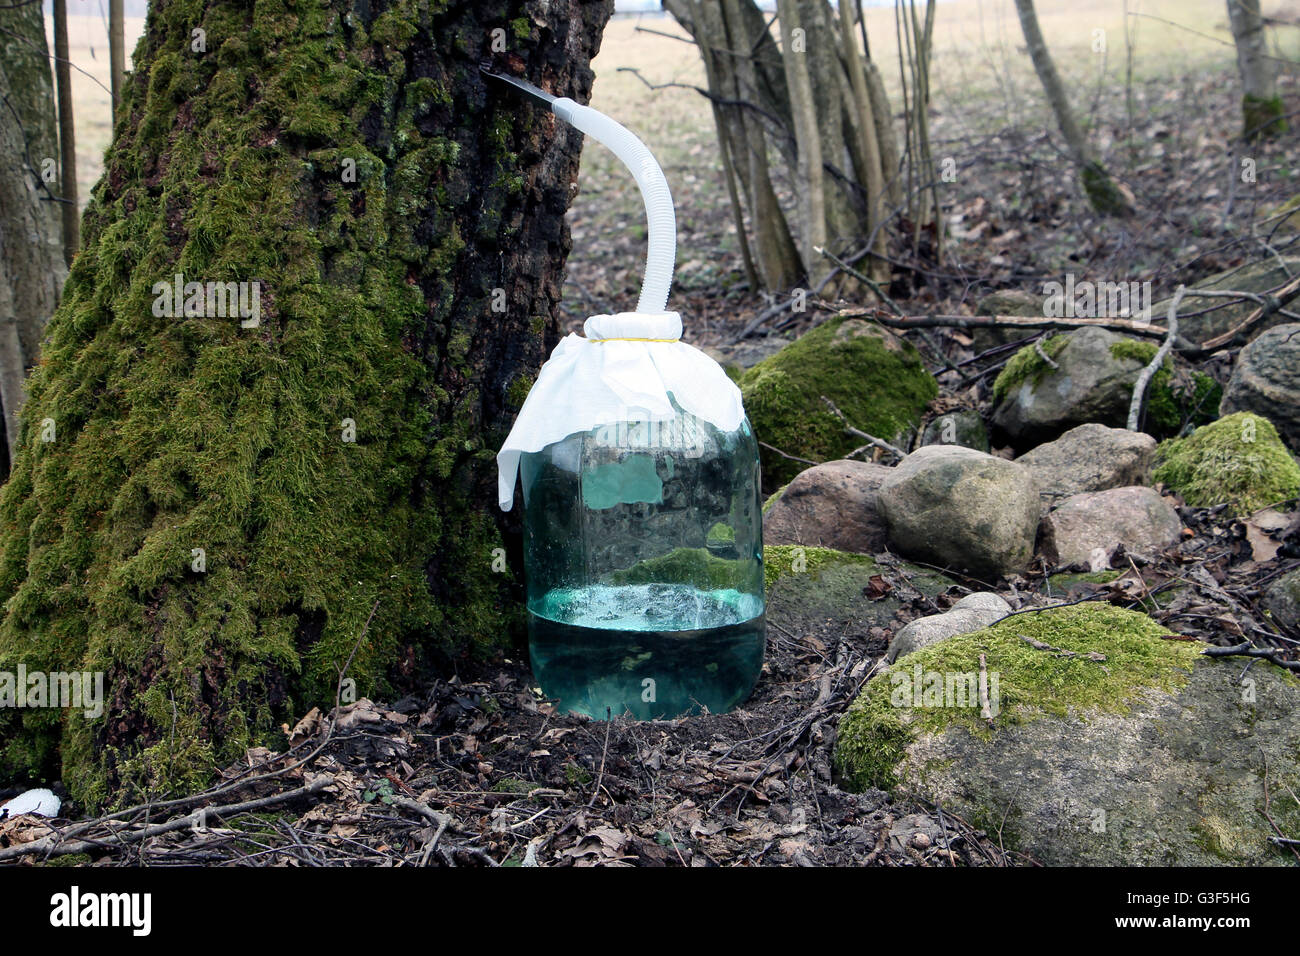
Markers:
point(31, 243)
point(1261, 107)
point(1105, 196)
point(233, 505)
point(67, 136)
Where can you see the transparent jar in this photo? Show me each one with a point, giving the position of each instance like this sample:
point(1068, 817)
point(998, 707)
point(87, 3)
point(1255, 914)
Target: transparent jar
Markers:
point(644, 561)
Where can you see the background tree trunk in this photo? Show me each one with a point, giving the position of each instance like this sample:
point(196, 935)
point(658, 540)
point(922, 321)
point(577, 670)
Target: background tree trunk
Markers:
point(1261, 107)
point(67, 136)
point(231, 511)
point(116, 50)
point(1105, 196)
point(31, 242)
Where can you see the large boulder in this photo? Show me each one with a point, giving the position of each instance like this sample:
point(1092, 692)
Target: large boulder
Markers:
point(875, 378)
point(1091, 457)
point(1106, 744)
point(1088, 528)
point(1239, 461)
point(974, 611)
point(1266, 381)
point(1093, 381)
point(959, 508)
point(831, 506)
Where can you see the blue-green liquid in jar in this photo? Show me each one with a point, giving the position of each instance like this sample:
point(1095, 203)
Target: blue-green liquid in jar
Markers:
point(647, 651)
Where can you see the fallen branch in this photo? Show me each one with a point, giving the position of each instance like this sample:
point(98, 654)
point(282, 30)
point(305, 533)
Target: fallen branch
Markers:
point(1145, 376)
point(55, 845)
point(905, 322)
point(1246, 649)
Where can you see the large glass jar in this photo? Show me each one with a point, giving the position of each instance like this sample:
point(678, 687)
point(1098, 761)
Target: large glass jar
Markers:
point(644, 561)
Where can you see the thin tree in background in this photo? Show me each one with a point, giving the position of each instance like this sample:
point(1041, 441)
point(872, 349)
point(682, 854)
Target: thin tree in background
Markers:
point(67, 136)
point(1102, 191)
point(1261, 107)
point(31, 243)
point(116, 50)
point(812, 109)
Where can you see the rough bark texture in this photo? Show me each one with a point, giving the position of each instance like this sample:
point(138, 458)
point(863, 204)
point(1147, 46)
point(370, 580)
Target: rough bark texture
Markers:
point(31, 243)
point(185, 432)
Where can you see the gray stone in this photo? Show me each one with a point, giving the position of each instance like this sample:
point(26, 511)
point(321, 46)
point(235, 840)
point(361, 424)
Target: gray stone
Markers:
point(1266, 381)
point(1091, 384)
point(1258, 277)
point(1177, 781)
point(962, 427)
point(833, 590)
point(1016, 302)
point(832, 505)
point(1091, 457)
point(1282, 600)
point(971, 613)
point(1084, 528)
point(960, 508)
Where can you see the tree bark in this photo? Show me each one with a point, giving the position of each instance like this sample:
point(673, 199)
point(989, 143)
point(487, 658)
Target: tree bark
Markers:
point(1105, 196)
point(1261, 107)
point(811, 195)
point(236, 509)
point(31, 245)
point(116, 49)
point(67, 136)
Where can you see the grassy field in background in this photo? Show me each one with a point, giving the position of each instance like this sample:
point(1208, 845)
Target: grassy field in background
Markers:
point(979, 54)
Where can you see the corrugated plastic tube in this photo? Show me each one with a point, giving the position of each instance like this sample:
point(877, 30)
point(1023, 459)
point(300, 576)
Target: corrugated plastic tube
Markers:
point(661, 221)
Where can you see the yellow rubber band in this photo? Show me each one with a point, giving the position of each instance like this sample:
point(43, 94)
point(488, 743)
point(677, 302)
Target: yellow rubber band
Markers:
point(618, 339)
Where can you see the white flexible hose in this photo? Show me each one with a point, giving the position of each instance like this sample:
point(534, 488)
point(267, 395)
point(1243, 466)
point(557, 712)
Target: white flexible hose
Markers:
point(661, 221)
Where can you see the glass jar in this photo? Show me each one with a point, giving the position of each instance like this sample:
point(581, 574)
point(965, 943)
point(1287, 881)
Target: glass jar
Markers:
point(644, 561)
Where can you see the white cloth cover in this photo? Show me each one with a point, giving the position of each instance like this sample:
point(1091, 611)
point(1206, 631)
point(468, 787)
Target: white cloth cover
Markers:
point(614, 374)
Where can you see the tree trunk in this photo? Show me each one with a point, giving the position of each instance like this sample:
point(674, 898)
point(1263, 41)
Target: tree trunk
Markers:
point(1261, 107)
point(811, 197)
point(234, 505)
point(31, 243)
point(1106, 197)
point(116, 50)
point(67, 136)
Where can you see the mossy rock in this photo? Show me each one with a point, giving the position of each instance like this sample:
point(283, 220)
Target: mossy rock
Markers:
point(875, 378)
point(811, 588)
point(1134, 751)
point(1175, 397)
point(1201, 318)
point(1238, 460)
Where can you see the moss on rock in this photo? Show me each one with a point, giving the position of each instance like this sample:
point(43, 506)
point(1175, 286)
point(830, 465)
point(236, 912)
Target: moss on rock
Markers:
point(1238, 460)
point(1027, 365)
point(880, 725)
point(1168, 408)
point(875, 378)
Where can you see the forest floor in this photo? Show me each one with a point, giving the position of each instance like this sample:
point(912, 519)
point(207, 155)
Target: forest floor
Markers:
point(480, 770)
